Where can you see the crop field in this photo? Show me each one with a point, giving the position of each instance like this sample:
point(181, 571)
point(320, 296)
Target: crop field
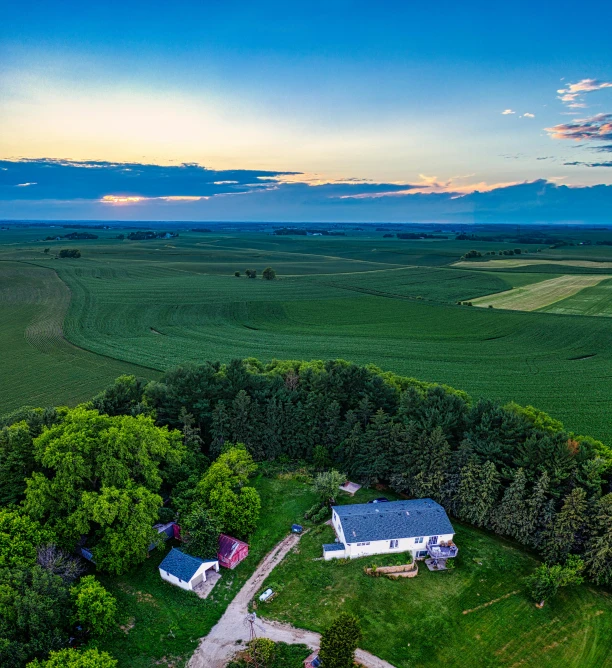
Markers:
point(532, 262)
point(39, 367)
point(595, 301)
point(535, 296)
point(145, 306)
point(478, 614)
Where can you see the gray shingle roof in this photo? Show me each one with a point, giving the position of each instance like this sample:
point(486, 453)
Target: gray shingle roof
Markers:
point(181, 565)
point(397, 519)
point(334, 547)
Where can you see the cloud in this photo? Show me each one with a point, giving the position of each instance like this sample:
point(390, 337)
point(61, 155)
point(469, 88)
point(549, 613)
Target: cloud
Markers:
point(528, 115)
point(91, 179)
point(596, 128)
point(590, 164)
point(572, 92)
point(507, 112)
point(603, 149)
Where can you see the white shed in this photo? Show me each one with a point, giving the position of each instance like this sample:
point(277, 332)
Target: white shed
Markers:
point(185, 571)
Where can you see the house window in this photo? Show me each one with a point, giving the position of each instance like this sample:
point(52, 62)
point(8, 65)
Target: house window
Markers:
point(419, 539)
point(393, 544)
point(360, 544)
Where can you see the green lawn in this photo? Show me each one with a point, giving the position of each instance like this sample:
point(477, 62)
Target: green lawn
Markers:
point(162, 623)
point(475, 615)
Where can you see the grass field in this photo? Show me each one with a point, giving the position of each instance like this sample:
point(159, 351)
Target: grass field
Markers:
point(162, 623)
point(146, 306)
point(538, 295)
point(476, 615)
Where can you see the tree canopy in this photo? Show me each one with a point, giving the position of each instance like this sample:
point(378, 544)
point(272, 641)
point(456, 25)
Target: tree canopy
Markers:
point(99, 477)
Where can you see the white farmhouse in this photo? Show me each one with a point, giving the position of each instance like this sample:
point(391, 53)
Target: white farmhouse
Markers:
point(185, 571)
point(420, 526)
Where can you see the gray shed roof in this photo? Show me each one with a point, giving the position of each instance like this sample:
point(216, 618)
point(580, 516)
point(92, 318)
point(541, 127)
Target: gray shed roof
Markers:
point(397, 519)
point(180, 564)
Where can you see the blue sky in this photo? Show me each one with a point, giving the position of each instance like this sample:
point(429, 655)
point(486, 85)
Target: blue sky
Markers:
point(367, 97)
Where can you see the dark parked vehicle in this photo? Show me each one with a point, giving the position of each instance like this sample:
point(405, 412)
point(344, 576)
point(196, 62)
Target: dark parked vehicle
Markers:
point(380, 499)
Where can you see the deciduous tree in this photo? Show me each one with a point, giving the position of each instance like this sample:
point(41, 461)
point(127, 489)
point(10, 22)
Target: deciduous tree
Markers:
point(94, 607)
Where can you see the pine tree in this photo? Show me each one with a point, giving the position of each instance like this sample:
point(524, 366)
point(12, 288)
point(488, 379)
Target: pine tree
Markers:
point(240, 418)
point(339, 642)
point(220, 429)
point(431, 455)
point(478, 492)
point(511, 516)
point(540, 515)
point(598, 553)
point(566, 535)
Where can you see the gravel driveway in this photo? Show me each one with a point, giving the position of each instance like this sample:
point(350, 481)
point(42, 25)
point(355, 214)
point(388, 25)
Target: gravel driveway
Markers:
point(217, 648)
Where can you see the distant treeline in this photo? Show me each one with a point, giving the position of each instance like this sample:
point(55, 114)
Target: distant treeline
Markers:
point(299, 231)
point(73, 235)
point(200, 229)
point(419, 235)
point(145, 235)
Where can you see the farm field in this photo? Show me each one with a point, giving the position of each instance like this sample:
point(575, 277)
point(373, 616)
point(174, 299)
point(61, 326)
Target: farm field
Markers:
point(39, 367)
point(528, 262)
point(143, 307)
point(475, 615)
point(538, 295)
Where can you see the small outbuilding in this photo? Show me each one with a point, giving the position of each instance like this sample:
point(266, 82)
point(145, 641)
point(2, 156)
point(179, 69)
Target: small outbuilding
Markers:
point(231, 551)
point(313, 660)
point(185, 571)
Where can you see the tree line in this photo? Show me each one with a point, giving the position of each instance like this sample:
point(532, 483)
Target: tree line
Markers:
point(511, 469)
point(185, 446)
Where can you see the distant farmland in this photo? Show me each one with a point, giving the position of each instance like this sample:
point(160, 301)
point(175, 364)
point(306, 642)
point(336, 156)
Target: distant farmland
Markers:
point(539, 295)
point(142, 307)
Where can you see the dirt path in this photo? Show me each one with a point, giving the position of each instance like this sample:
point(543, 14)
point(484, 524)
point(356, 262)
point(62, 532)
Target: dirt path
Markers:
point(216, 649)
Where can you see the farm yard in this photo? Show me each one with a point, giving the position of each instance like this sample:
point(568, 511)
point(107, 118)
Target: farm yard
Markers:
point(480, 607)
point(142, 307)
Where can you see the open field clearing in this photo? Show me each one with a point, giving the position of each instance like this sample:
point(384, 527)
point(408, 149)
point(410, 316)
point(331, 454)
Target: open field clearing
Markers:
point(39, 367)
point(525, 262)
point(475, 615)
point(538, 295)
point(386, 301)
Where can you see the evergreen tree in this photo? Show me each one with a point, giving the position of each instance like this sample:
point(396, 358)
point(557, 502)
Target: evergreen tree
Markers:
point(240, 418)
point(220, 428)
point(339, 642)
point(598, 553)
point(541, 513)
point(478, 492)
point(431, 455)
point(566, 536)
point(511, 516)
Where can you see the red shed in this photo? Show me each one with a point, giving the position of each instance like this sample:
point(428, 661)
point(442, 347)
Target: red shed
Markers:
point(231, 551)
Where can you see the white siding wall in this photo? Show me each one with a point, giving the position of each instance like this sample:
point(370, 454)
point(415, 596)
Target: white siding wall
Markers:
point(354, 550)
point(173, 580)
point(195, 579)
